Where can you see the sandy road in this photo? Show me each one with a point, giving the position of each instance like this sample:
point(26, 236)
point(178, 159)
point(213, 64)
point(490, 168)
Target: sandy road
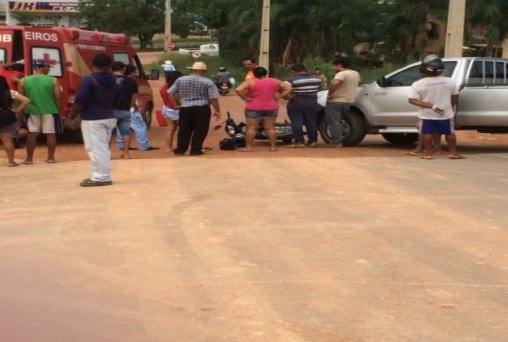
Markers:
point(359, 244)
point(257, 249)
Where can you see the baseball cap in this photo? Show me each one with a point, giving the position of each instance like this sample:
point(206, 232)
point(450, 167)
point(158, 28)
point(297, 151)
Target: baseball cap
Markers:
point(40, 63)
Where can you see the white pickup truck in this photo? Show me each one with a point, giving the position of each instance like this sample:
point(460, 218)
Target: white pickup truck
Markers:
point(382, 107)
point(204, 49)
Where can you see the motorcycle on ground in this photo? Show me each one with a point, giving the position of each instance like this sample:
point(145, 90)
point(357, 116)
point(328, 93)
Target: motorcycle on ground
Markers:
point(236, 132)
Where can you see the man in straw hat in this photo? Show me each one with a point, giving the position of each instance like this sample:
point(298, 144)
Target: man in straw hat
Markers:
point(194, 94)
point(168, 67)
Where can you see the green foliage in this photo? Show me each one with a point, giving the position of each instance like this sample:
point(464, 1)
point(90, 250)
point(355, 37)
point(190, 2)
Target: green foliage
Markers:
point(181, 62)
point(400, 30)
point(25, 18)
point(213, 63)
point(369, 75)
point(489, 14)
point(143, 18)
point(406, 27)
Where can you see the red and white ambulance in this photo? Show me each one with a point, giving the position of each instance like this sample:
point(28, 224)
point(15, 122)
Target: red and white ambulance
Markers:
point(69, 51)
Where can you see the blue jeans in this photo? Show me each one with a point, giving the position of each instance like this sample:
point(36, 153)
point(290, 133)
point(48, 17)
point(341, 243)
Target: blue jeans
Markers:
point(334, 112)
point(302, 115)
point(123, 121)
point(140, 132)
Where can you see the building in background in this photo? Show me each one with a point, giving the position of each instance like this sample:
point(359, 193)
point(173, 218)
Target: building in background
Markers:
point(40, 13)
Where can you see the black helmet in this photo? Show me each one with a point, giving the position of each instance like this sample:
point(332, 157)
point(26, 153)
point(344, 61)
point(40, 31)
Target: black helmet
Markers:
point(222, 68)
point(433, 63)
point(227, 144)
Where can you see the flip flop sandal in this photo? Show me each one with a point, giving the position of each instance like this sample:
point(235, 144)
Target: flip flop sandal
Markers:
point(456, 156)
point(426, 157)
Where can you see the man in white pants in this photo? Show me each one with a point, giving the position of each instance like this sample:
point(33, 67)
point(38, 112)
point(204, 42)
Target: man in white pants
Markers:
point(94, 101)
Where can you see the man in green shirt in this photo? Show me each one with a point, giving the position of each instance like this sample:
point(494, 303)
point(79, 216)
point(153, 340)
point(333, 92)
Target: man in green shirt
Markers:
point(44, 93)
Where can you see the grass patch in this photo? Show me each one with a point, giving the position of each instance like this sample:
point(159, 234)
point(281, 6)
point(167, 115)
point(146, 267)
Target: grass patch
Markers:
point(367, 75)
point(212, 62)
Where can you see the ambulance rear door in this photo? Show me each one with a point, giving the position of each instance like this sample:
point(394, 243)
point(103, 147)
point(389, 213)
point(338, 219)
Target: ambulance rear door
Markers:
point(11, 45)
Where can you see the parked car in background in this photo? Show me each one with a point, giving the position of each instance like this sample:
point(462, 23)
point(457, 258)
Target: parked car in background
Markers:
point(204, 49)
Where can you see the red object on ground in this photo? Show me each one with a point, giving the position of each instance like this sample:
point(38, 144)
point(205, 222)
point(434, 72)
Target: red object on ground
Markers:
point(160, 119)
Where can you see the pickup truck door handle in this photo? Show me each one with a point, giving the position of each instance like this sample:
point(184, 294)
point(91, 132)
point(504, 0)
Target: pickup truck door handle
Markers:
point(380, 93)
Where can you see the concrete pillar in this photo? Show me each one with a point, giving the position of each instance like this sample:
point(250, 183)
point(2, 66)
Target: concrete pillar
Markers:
point(455, 28)
point(264, 45)
point(504, 46)
point(167, 26)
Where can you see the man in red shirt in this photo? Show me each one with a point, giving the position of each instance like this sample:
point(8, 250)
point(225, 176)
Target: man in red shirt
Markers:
point(12, 72)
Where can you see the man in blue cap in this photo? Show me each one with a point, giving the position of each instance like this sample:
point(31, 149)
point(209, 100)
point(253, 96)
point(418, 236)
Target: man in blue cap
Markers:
point(43, 91)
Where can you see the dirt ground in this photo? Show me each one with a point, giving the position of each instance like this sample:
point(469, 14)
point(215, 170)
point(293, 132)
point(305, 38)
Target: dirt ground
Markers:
point(298, 245)
point(372, 146)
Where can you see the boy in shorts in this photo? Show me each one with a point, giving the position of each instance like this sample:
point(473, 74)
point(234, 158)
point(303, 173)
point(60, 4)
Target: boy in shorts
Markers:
point(436, 96)
point(43, 113)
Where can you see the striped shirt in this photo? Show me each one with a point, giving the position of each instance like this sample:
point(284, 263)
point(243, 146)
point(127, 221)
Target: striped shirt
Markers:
point(194, 90)
point(305, 87)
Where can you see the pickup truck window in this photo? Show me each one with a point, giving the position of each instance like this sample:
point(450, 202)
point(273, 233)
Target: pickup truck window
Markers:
point(405, 78)
point(500, 73)
point(487, 73)
point(408, 76)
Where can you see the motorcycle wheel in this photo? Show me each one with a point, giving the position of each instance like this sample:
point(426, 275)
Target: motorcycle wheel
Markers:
point(287, 140)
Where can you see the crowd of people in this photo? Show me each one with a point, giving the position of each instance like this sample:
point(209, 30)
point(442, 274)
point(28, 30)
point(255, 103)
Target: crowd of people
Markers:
point(106, 100)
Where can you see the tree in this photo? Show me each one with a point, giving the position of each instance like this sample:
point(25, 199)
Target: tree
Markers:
point(25, 18)
point(408, 26)
point(143, 18)
point(487, 19)
point(299, 29)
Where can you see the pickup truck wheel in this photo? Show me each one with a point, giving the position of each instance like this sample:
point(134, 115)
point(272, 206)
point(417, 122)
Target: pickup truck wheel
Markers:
point(147, 115)
point(353, 129)
point(400, 138)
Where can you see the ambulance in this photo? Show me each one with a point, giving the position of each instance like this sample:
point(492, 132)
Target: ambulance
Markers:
point(70, 51)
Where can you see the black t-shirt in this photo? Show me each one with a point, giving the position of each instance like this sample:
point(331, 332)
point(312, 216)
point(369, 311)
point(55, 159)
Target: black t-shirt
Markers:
point(128, 88)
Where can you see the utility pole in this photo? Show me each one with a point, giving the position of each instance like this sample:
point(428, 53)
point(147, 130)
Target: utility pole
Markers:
point(7, 14)
point(264, 45)
point(455, 28)
point(167, 27)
